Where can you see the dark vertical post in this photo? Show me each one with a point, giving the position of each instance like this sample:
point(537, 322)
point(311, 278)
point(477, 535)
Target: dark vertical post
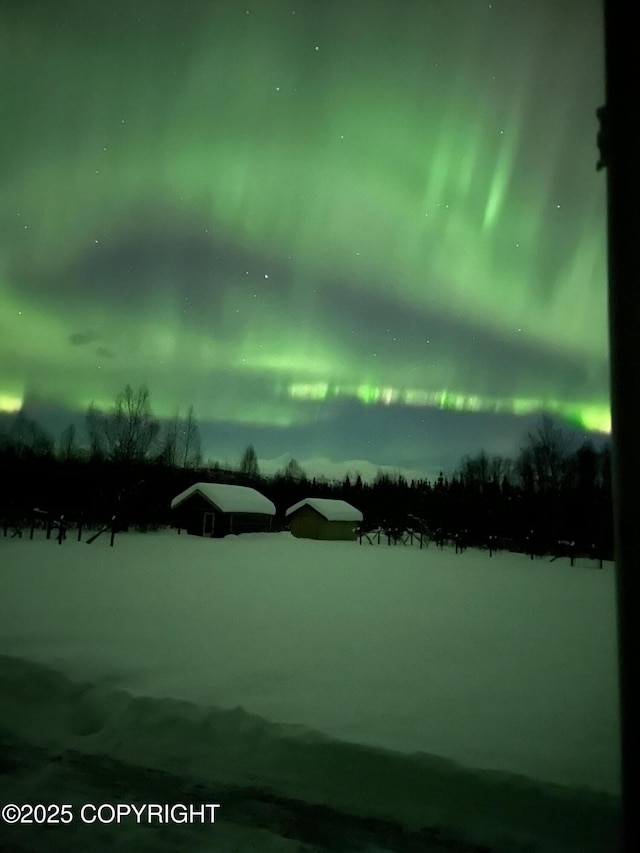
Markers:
point(80, 528)
point(113, 530)
point(620, 153)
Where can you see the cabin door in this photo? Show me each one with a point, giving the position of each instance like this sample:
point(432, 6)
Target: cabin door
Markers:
point(207, 524)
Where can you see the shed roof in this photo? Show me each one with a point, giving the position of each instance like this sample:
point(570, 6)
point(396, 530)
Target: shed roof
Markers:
point(329, 508)
point(228, 498)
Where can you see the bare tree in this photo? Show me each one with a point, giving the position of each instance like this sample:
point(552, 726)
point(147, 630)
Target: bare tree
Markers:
point(94, 422)
point(67, 446)
point(525, 469)
point(169, 451)
point(293, 471)
point(26, 436)
point(190, 441)
point(547, 454)
point(475, 472)
point(249, 463)
point(181, 441)
point(500, 468)
point(126, 433)
point(584, 468)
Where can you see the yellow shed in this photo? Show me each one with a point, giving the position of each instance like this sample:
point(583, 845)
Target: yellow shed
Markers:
point(324, 518)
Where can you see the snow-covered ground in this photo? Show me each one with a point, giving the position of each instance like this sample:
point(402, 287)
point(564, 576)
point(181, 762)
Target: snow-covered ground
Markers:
point(471, 696)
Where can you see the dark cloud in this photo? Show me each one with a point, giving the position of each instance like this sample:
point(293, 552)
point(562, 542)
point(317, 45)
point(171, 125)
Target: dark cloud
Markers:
point(105, 353)
point(182, 257)
point(154, 256)
point(499, 364)
point(78, 339)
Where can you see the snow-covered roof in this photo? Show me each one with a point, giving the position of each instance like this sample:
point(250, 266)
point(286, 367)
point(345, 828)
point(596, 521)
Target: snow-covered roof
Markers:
point(228, 498)
point(332, 510)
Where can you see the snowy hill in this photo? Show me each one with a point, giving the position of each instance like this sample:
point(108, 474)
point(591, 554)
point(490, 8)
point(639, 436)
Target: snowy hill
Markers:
point(407, 698)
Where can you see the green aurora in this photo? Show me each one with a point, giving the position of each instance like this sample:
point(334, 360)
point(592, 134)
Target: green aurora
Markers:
point(264, 207)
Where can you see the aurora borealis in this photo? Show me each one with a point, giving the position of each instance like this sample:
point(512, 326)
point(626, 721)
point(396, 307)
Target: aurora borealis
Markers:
point(346, 228)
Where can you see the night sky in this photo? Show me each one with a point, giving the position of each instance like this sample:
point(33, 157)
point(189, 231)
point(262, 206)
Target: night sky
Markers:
point(349, 229)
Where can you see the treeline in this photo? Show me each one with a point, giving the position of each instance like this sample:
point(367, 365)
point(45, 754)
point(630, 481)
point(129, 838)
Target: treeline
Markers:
point(552, 498)
point(132, 466)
